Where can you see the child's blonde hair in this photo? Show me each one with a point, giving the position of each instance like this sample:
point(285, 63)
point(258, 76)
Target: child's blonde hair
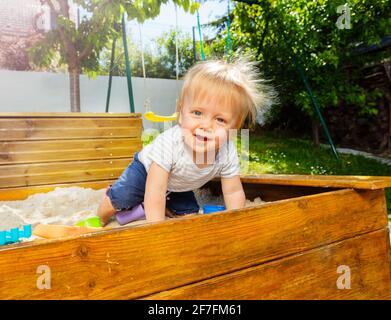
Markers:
point(237, 84)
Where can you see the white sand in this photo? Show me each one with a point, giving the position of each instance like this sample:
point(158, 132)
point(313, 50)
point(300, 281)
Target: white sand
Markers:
point(10, 218)
point(60, 206)
point(66, 206)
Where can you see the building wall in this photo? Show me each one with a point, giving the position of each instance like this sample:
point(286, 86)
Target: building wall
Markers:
point(22, 91)
point(21, 23)
point(21, 18)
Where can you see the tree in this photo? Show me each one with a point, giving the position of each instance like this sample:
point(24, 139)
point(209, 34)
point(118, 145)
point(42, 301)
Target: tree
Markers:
point(160, 63)
point(79, 46)
point(278, 31)
point(167, 52)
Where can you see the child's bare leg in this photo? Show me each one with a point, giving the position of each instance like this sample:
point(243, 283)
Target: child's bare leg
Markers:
point(105, 210)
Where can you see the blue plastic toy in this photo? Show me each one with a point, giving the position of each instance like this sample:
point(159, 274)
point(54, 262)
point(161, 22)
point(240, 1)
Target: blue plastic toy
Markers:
point(209, 208)
point(13, 235)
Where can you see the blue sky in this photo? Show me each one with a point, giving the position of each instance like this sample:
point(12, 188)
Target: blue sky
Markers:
point(209, 11)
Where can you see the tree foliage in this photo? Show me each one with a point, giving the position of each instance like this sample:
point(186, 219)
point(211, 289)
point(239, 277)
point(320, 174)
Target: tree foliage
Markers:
point(167, 51)
point(84, 43)
point(159, 63)
point(79, 46)
point(277, 31)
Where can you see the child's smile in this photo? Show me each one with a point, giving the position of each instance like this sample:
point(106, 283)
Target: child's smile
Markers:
point(200, 141)
point(201, 138)
point(205, 128)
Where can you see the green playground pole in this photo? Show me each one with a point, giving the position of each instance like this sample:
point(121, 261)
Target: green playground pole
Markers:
point(228, 47)
point(200, 33)
point(194, 46)
point(316, 106)
point(110, 75)
point(127, 64)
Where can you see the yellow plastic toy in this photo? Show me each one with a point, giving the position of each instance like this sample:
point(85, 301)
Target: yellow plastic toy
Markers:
point(150, 116)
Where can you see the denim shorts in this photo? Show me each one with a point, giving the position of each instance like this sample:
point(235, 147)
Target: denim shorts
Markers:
point(128, 191)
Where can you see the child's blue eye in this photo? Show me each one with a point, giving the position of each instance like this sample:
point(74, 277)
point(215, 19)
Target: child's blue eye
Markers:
point(197, 113)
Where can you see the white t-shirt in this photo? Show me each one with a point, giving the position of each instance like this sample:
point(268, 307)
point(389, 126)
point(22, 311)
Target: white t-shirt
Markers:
point(169, 151)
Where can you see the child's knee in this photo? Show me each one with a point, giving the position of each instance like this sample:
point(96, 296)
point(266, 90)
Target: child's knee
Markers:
point(125, 197)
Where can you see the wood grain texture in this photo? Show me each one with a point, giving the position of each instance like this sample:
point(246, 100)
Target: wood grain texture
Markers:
point(32, 123)
point(69, 133)
point(67, 150)
point(21, 193)
point(61, 172)
point(41, 128)
point(67, 115)
point(308, 275)
point(326, 181)
point(267, 192)
point(143, 260)
point(43, 149)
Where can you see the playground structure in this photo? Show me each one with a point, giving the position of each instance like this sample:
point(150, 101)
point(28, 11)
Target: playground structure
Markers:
point(313, 231)
point(152, 117)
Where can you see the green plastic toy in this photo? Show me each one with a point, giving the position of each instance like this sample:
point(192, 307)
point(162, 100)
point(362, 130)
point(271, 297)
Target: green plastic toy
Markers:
point(90, 222)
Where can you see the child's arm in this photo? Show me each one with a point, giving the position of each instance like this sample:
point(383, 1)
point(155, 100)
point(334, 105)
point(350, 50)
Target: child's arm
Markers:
point(234, 196)
point(155, 193)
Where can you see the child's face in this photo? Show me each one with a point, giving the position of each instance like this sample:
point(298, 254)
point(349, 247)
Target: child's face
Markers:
point(206, 125)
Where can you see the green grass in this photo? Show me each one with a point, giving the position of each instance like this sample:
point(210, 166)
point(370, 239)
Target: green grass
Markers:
point(280, 155)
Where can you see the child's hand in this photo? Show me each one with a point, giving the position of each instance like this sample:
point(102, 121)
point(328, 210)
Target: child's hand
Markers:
point(234, 196)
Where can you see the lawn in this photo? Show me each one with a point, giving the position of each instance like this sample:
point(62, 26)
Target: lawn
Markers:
point(270, 153)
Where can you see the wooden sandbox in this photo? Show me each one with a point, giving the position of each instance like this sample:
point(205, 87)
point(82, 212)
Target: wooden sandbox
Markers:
point(292, 247)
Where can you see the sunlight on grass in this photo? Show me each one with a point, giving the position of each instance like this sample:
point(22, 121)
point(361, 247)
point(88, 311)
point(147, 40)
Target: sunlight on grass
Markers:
point(273, 155)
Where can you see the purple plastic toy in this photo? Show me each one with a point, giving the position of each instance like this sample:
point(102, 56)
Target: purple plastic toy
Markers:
point(126, 216)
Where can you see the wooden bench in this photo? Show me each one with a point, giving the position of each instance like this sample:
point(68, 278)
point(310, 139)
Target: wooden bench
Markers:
point(42, 150)
point(315, 234)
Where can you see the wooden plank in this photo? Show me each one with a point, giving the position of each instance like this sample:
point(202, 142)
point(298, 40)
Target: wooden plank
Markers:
point(16, 170)
point(21, 193)
point(329, 181)
point(48, 145)
point(225, 242)
point(68, 115)
point(66, 150)
point(32, 128)
point(265, 192)
point(268, 192)
point(70, 133)
point(61, 172)
point(46, 123)
point(310, 275)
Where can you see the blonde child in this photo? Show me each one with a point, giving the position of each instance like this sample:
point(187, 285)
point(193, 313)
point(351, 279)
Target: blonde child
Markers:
point(216, 97)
